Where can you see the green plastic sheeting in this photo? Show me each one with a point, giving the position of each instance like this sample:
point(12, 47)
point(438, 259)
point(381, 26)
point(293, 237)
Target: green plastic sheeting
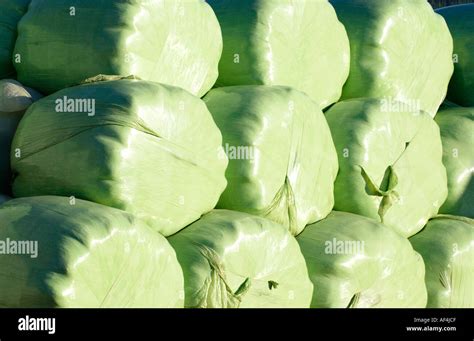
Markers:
point(457, 134)
point(10, 14)
point(60, 252)
point(176, 42)
point(233, 259)
point(300, 44)
point(282, 160)
point(447, 246)
point(400, 49)
point(14, 100)
point(3, 199)
point(390, 163)
point(149, 149)
point(460, 20)
point(356, 262)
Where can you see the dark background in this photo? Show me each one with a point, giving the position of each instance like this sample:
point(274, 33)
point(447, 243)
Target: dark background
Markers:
point(441, 3)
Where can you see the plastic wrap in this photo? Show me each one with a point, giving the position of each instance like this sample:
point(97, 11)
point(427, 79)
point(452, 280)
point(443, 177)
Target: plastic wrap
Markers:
point(14, 100)
point(447, 247)
point(232, 259)
point(457, 134)
point(3, 199)
point(400, 49)
point(356, 262)
point(460, 20)
point(300, 44)
point(390, 163)
point(282, 160)
point(176, 42)
point(10, 14)
point(86, 256)
point(149, 149)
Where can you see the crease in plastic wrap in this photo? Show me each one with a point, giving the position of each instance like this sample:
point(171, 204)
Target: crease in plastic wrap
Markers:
point(14, 100)
point(356, 262)
point(86, 256)
point(447, 247)
point(460, 20)
point(390, 163)
point(150, 149)
point(236, 260)
point(400, 49)
point(282, 160)
point(457, 134)
point(11, 13)
point(176, 42)
point(300, 44)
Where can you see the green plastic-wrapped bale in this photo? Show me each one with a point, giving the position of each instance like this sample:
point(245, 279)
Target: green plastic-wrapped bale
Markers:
point(460, 20)
point(14, 100)
point(390, 163)
point(62, 252)
point(232, 259)
point(300, 44)
point(176, 42)
point(356, 262)
point(152, 150)
point(457, 134)
point(282, 160)
point(447, 247)
point(10, 14)
point(400, 49)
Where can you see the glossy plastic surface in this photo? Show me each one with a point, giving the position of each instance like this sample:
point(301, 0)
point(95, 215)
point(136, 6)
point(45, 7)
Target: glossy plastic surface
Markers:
point(300, 44)
point(87, 256)
point(14, 100)
point(390, 163)
point(457, 134)
point(460, 20)
point(400, 49)
point(176, 42)
point(233, 259)
point(282, 160)
point(10, 14)
point(149, 149)
point(356, 262)
point(447, 246)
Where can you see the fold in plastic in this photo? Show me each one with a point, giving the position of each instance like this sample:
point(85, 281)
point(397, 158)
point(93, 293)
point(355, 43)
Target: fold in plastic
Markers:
point(233, 259)
point(390, 163)
point(300, 44)
point(400, 49)
point(176, 42)
point(447, 247)
point(460, 20)
point(457, 134)
point(356, 262)
point(57, 252)
point(282, 160)
point(152, 150)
